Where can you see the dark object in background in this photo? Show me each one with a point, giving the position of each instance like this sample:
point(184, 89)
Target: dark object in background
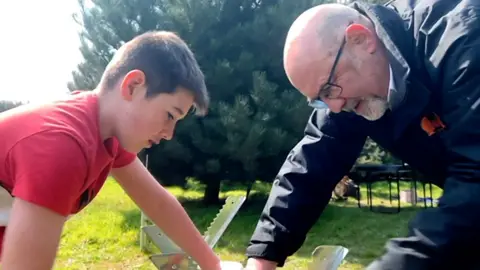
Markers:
point(344, 189)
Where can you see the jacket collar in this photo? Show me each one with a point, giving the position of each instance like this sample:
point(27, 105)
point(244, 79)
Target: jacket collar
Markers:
point(405, 102)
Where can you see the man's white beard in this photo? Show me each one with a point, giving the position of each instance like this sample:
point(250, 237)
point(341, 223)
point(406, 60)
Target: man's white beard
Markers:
point(373, 108)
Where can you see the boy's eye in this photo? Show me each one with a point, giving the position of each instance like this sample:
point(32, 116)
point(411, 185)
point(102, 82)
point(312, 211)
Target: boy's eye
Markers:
point(170, 116)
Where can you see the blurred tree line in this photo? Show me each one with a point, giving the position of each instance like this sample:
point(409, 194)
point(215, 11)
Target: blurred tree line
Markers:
point(6, 105)
point(256, 116)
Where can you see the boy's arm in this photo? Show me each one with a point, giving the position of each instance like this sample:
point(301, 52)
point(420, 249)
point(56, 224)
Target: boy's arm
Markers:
point(32, 237)
point(48, 171)
point(165, 211)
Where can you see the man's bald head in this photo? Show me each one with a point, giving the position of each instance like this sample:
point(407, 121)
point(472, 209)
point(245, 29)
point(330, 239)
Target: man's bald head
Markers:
point(360, 77)
point(317, 34)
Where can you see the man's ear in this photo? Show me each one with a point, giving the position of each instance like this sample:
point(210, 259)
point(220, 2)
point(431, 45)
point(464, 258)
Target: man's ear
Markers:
point(132, 82)
point(359, 35)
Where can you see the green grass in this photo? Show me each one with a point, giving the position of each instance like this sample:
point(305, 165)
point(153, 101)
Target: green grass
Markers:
point(105, 234)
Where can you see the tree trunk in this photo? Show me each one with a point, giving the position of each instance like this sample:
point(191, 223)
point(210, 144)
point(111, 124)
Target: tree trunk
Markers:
point(249, 189)
point(212, 191)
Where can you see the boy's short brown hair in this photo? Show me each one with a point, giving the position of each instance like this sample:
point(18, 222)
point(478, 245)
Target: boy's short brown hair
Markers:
point(167, 63)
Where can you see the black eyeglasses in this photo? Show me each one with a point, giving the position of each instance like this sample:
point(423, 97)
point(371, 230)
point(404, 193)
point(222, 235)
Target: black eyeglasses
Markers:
point(329, 90)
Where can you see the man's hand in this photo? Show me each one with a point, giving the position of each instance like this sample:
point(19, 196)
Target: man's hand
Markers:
point(260, 264)
point(31, 237)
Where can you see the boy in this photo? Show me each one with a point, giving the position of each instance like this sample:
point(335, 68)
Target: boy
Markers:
point(55, 158)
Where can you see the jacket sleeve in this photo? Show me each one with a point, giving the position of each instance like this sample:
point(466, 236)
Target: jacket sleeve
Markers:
point(304, 184)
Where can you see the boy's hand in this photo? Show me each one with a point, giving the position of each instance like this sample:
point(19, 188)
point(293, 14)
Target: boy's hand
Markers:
point(178, 258)
point(228, 265)
point(180, 261)
point(260, 264)
point(174, 260)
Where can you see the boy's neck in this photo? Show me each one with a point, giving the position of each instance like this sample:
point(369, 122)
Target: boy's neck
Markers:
point(107, 117)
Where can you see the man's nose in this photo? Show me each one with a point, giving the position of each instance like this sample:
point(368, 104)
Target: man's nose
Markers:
point(335, 105)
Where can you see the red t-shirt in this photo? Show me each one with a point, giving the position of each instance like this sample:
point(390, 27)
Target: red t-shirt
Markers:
point(52, 155)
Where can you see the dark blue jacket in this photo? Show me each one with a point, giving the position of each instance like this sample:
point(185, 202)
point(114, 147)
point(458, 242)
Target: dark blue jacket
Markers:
point(432, 47)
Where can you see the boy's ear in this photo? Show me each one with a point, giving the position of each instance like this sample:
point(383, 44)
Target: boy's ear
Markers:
point(132, 82)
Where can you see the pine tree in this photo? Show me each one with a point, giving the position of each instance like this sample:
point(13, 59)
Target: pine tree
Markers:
point(6, 105)
point(275, 121)
point(106, 25)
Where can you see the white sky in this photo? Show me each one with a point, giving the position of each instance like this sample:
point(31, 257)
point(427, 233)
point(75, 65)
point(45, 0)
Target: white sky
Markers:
point(38, 48)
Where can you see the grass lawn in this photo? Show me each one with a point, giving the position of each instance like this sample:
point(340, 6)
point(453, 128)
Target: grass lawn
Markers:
point(105, 234)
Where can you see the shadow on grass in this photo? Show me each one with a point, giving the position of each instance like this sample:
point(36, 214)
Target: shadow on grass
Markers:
point(363, 232)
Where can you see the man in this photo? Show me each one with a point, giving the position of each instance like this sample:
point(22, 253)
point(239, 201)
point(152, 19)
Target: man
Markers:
point(56, 157)
point(401, 74)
